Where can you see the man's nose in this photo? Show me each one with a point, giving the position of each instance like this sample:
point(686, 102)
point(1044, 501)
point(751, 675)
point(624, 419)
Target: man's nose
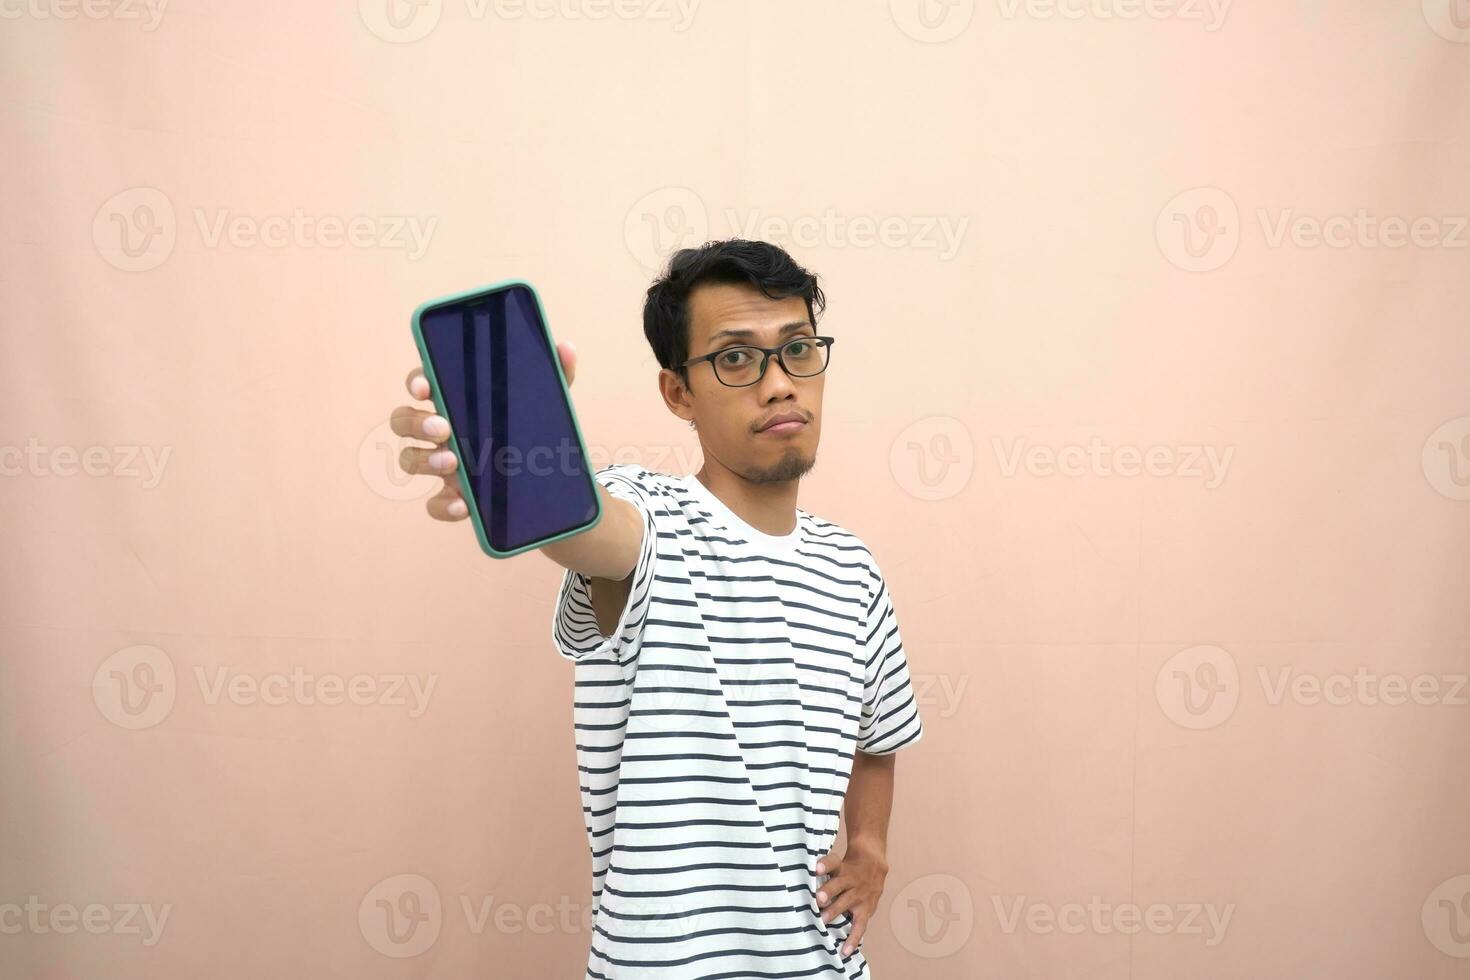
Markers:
point(776, 383)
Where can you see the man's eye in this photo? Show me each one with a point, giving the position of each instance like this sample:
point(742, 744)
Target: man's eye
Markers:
point(733, 357)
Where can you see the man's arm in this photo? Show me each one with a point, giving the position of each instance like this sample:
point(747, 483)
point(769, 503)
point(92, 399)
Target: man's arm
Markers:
point(869, 804)
point(607, 554)
point(889, 721)
point(858, 876)
point(607, 551)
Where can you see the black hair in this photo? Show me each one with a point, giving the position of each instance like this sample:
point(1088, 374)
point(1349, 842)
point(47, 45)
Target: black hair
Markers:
point(735, 260)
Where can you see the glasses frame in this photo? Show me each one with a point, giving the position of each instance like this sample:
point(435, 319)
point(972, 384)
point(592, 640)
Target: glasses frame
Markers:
point(766, 354)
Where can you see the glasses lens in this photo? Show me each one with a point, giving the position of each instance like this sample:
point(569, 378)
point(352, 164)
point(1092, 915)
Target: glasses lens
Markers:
point(739, 365)
point(805, 356)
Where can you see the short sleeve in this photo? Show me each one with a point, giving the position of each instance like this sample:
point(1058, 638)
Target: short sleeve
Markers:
point(890, 716)
point(574, 622)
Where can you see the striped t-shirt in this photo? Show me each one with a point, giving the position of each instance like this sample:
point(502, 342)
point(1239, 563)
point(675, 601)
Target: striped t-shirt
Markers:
point(715, 731)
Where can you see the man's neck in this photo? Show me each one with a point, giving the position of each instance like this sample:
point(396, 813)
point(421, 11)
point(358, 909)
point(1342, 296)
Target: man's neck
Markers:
point(768, 507)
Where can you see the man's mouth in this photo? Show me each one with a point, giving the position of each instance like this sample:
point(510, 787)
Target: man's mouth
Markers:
point(784, 423)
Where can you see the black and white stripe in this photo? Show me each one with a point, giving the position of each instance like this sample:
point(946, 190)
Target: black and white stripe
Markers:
point(715, 731)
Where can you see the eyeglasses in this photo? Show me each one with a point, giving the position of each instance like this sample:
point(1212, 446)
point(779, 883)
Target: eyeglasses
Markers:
point(801, 357)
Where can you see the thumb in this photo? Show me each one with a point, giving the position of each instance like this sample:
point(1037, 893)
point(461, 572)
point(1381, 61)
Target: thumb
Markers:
point(567, 351)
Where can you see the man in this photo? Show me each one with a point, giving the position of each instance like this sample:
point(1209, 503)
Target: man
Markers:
point(740, 678)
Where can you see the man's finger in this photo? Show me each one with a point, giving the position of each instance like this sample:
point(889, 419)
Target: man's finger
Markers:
point(839, 905)
point(417, 384)
point(833, 888)
point(828, 864)
point(419, 424)
point(859, 926)
point(568, 355)
point(434, 462)
point(448, 505)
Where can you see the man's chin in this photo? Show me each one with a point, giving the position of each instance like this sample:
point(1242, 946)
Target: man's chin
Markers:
point(793, 464)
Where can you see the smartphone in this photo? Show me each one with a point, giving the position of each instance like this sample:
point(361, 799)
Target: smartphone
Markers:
point(496, 377)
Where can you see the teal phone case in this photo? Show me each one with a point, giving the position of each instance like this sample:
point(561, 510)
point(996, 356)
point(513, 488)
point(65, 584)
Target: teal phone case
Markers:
point(464, 484)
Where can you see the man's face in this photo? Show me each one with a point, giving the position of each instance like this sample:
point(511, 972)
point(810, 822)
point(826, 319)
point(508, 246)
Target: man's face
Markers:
point(730, 420)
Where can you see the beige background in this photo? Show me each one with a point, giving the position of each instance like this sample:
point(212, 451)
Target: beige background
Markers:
point(1172, 492)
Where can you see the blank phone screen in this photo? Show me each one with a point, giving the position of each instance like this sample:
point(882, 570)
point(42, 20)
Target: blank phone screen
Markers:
point(510, 416)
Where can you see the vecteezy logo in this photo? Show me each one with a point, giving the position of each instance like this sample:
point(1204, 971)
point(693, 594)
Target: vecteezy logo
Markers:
point(1198, 687)
point(932, 21)
point(135, 229)
point(135, 687)
point(933, 916)
point(378, 463)
point(1446, 917)
point(670, 699)
point(401, 915)
point(1199, 230)
point(1446, 458)
point(400, 21)
point(933, 457)
point(1450, 19)
point(662, 222)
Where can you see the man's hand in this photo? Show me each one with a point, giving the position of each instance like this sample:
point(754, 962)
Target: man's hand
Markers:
point(855, 886)
point(417, 423)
